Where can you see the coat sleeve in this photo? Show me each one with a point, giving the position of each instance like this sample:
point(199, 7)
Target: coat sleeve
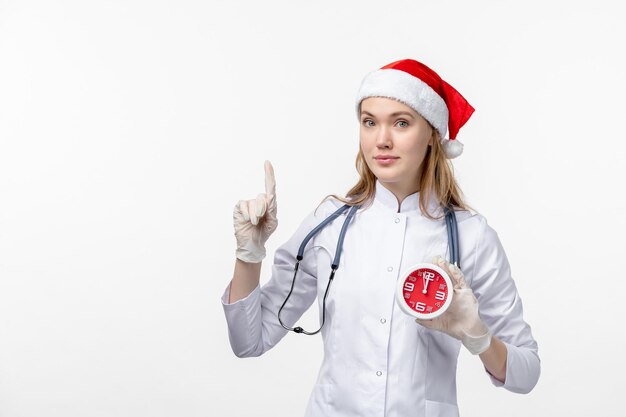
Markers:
point(253, 326)
point(500, 307)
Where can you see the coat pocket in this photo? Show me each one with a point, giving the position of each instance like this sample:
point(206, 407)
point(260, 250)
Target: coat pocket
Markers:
point(439, 409)
point(320, 401)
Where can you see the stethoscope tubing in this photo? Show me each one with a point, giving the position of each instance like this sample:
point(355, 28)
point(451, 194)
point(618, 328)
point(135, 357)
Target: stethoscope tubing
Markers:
point(334, 265)
point(453, 236)
point(453, 245)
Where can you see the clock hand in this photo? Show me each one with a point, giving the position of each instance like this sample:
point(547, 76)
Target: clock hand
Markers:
point(426, 280)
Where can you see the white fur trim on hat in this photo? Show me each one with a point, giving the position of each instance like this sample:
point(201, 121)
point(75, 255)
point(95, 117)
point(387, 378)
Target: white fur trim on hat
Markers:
point(453, 148)
point(410, 90)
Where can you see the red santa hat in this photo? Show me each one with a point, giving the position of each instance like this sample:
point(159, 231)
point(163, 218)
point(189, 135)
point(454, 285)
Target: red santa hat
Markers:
point(422, 89)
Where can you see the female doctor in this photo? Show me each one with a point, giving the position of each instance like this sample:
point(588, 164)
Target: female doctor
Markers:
point(379, 361)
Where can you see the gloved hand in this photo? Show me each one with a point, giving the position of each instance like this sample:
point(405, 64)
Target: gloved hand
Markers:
point(461, 320)
point(255, 220)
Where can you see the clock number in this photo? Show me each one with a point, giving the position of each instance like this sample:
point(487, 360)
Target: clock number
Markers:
point(420, 307)
point(440, 295)
point(409, 286)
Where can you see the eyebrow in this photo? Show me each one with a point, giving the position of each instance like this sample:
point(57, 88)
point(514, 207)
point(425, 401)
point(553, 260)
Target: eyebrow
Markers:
point(398, 113)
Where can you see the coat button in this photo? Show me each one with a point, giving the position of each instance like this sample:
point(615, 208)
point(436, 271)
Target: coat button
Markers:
point(397, 220)
point(378, 373)
point(389, 268)
point(383, 320)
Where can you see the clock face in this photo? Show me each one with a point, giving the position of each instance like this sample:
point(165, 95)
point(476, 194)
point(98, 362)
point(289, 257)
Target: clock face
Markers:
point(424, 291)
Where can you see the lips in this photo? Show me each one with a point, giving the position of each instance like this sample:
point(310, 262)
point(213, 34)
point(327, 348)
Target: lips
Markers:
point(385, 159)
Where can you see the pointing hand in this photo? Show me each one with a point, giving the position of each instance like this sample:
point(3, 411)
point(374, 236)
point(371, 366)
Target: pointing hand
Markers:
point(255, 220)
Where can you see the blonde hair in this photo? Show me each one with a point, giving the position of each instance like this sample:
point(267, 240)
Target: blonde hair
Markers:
point(437, 178)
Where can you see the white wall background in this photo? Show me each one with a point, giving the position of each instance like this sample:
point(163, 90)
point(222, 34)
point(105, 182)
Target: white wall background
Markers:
point(129, 129)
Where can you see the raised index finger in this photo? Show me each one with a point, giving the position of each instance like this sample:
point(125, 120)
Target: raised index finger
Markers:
point(270, 181)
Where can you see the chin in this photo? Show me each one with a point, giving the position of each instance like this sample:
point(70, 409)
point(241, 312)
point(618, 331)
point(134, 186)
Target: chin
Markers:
point(388, 179)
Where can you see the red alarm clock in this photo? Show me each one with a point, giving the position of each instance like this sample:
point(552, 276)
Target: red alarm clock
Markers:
point(424, 291)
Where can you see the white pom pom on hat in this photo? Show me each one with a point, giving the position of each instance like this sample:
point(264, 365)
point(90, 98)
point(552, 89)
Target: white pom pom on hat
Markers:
point(422, 89)
point(453, 148)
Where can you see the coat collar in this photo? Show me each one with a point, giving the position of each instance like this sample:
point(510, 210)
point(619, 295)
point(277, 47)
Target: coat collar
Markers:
point(410, 204)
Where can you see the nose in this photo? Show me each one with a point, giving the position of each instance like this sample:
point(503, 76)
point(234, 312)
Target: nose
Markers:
point(383, 138)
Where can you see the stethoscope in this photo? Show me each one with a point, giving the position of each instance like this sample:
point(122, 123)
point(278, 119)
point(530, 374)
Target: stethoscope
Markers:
point(453, 245)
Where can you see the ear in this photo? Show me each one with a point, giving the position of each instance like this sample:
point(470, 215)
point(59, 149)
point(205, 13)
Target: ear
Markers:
point(433, 136)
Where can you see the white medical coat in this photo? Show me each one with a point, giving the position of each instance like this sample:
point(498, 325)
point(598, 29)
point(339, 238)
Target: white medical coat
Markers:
point(378, 362)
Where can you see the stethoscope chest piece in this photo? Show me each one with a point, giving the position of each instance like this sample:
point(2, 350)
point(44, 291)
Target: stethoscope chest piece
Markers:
point(424, 291)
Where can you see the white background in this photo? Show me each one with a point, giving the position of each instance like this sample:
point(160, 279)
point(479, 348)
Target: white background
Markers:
point(129, 130)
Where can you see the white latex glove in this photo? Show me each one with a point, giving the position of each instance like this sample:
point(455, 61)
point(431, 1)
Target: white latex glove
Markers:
point(255, 220)
point(461, 320)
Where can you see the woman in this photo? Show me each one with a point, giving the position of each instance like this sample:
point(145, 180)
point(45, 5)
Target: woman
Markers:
point(379, 361)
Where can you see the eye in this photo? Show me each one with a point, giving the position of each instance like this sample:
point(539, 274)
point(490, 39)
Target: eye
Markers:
point(402, 123)
point(368, 122)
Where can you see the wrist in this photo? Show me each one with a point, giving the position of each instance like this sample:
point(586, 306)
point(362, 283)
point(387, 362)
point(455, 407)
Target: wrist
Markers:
point(476, 342)
point(250, 251)
point(251, 257)
point(245, 279)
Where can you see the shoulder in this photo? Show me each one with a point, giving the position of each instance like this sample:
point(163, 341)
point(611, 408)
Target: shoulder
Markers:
point(474, 226)
point(318, 213)
point(482, 254)
point(328, 206)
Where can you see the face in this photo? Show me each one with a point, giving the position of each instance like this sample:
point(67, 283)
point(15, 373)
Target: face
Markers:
point(394, 139)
